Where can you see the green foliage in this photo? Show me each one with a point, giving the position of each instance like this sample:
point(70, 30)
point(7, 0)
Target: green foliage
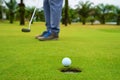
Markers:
point(12, 5)
point(94, 51)
point(103, 12)
point(73, 15)
point(117, 14)
point(40, 16)
point(1, 9)
point(84, 10)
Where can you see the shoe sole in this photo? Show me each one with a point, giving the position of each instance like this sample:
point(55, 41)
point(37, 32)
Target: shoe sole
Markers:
point(48, 39)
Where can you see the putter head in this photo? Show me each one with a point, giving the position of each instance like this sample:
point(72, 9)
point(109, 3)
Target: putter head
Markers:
point(25, 30)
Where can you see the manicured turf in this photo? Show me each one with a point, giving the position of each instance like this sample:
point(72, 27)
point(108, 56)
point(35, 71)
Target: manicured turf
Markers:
point(94, 49)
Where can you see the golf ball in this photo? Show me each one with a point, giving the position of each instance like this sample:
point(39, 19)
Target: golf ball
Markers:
point(66, 61)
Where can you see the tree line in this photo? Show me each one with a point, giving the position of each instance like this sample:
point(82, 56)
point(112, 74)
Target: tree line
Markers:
point(84, 12)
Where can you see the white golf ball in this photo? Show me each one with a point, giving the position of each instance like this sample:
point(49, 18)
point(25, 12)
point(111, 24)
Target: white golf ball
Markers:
point(66, 61)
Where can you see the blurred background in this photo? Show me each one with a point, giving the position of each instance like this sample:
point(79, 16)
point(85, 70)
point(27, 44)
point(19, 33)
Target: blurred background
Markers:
point(92, 11)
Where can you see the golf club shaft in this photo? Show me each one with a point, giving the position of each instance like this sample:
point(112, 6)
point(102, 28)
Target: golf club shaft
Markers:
point(33, 14)
point(32, 18)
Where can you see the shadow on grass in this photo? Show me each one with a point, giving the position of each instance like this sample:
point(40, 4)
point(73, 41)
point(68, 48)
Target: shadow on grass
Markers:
point(70, 70)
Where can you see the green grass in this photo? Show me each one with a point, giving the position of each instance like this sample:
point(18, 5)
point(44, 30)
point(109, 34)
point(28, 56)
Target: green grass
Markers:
point(94, 49)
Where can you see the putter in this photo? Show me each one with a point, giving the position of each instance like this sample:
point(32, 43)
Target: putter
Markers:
point(29, 27)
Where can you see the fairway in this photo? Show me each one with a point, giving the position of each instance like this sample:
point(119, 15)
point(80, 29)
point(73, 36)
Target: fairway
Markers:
point(95, 49)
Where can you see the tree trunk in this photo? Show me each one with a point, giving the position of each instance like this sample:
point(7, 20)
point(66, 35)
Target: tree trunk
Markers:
point(66, 13)
point(22, 13)
point(0, 12)
point(83, 21)
point(103, 19)
point(118, 20)
point(11, 14)
point(11, 17)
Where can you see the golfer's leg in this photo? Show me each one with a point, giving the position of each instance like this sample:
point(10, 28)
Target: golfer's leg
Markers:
point(55, 14)
point(47, 13)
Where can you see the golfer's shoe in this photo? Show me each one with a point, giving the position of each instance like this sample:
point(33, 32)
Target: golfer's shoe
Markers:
point(49, 36)
point(36, 37)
